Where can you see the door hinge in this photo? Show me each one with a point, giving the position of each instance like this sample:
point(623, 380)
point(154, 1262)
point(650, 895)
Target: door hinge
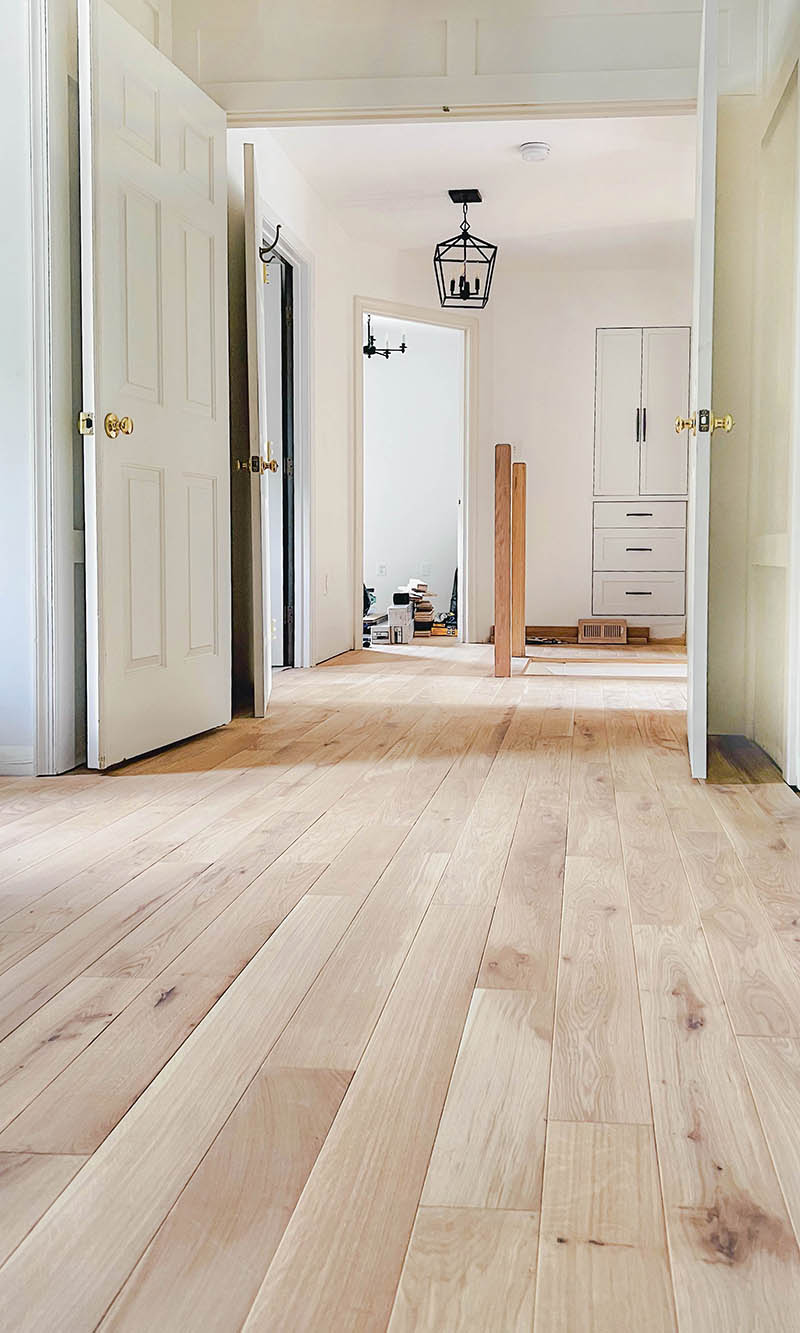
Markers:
point(86, 423)
point(288, 467)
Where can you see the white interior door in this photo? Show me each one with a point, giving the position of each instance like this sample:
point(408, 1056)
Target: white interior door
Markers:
point(257, 401)
point(700, 397)
point(154, 274)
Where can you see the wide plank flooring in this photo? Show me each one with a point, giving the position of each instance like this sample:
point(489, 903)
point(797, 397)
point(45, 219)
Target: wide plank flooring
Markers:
point(430, 1002)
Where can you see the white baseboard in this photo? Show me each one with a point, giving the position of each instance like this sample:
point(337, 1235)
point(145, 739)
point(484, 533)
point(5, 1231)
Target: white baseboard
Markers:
point(16, 761)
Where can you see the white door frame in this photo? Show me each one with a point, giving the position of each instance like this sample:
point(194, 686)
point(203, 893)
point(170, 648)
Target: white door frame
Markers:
point(292, 250)
point(791, 770)
point(469, 325)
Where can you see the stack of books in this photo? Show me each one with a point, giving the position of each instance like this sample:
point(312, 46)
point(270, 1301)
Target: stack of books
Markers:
point(423, 608)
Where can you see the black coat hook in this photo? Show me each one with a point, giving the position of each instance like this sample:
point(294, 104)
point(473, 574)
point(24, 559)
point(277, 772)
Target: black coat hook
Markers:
point(267, 250)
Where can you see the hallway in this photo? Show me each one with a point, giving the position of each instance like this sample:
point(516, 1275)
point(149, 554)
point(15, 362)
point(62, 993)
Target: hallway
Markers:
point(431, 1002)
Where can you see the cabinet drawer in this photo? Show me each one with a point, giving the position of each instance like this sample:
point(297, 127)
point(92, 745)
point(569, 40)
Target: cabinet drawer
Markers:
point(640, 548)
point(641, 513)
point(620, 594)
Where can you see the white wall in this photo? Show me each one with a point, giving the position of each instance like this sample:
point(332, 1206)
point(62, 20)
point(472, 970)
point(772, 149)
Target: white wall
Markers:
point(413, 416)
point(17, 655)
point(341, 270)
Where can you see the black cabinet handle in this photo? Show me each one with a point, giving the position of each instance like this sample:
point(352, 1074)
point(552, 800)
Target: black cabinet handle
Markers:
point(638, 548)
point(644, 425)
point(628, 593)
point(638, 423)
point(636, 514)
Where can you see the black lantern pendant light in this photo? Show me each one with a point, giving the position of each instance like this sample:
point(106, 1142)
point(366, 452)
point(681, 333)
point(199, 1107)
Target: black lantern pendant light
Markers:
point(464, 264)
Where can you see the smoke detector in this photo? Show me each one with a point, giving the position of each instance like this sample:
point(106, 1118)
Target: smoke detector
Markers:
point(535, 151)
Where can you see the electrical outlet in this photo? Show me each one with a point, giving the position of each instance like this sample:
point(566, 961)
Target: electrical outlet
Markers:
point(425, 569)
point(382, 571)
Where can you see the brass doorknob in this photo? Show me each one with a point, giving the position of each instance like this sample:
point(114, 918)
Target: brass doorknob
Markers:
point(685, 423)
point(117, 425)
point(725, 423)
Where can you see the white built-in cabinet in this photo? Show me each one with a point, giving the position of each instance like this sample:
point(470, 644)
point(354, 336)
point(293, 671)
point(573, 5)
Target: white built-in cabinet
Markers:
point(640, 472)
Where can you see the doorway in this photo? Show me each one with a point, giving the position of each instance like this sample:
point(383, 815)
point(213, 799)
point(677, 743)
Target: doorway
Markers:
point(279, 344)
point(453, 404)
point(413, 412)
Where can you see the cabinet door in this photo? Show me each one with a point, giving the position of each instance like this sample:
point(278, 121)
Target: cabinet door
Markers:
point(617, 408)
point(665, 394)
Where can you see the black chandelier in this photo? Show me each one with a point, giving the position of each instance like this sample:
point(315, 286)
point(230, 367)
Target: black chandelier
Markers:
point(464, 264)
point(371, 348)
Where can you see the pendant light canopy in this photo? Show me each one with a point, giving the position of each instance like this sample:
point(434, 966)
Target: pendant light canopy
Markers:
point(464, 264)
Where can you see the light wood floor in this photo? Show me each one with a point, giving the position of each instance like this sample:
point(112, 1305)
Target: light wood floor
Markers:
point(431, 1002)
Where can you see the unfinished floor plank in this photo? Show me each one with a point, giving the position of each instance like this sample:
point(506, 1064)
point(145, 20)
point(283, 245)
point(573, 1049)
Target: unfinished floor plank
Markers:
point(109, 1213)
point(468, 1269)
point(206, 1263)
point(29, 1184)
point(734, 1255)
point(488, 1151)
point(657, 884)
point(603, 1256)
point(333, 1024)
point(599, 1069)
point(339, 1262)
point(760, 986)
point(522, 949)
point(773, 1067)
point(41, 1048)
point(34, 980)
point(80, 1107)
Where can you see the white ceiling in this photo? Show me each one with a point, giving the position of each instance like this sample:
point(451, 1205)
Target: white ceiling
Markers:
point(615, 190)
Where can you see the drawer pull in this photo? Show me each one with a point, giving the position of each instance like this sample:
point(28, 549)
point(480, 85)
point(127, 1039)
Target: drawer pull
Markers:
point(637, 514)
point(638, 548)
point(628, 593)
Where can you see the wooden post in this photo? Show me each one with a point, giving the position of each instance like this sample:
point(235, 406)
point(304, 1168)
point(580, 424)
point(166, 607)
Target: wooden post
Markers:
point(518, 559)
point(502, 560)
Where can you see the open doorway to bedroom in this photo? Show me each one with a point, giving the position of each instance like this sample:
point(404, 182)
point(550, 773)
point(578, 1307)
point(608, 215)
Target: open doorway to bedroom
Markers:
point(413, 469)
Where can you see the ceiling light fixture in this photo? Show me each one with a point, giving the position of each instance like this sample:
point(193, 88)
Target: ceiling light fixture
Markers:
point(535, 151)
point(464, 264)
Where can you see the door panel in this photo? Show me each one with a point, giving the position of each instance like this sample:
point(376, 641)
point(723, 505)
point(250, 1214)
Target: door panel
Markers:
point(617, 407)
point(665, 392)
point(770, 484)
point(154, 344)
point(700, 397)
